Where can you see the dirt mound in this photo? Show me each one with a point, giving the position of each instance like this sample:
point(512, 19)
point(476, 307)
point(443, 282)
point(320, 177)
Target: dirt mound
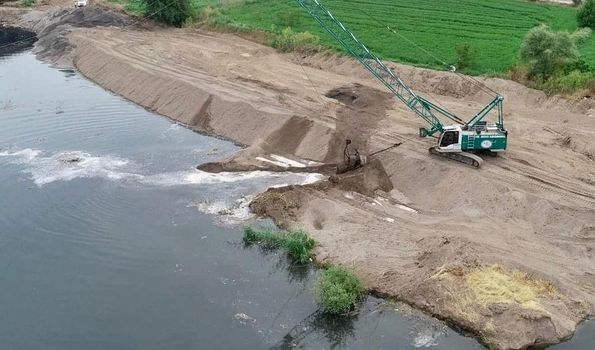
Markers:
point(53, 26)
point(285, 205)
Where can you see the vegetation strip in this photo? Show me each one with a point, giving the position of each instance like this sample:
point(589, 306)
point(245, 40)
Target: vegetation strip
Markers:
point(337, 290)
point(486, 38)
point(296, 243)
point(492, 30)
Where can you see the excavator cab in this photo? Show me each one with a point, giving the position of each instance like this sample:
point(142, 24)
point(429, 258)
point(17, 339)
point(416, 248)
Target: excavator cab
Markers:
point(450, 141)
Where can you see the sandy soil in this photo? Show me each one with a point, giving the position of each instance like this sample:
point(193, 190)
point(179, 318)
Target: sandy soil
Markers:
point(505, 251)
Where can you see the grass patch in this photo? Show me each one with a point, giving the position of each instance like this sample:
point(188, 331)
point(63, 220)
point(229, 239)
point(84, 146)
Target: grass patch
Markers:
point(288, 41)
point(479, 37)
point(297, 244)
point(337, 290)
point(568, 83)
point(493, 30)
point(135, 6)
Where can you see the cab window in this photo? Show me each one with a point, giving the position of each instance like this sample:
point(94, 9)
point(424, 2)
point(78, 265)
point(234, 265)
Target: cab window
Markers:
point(449, 138)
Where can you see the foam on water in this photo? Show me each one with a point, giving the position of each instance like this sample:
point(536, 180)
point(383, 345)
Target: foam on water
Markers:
point(69, 165)
point(234, 213)
point(26, 154)
point(426, 338)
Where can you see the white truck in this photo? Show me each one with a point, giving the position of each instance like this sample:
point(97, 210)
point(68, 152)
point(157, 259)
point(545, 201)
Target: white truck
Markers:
point(80, 3)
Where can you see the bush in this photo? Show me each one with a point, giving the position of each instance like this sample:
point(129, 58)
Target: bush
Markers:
point(337, 290)
point(567, 83)
point(586, 15)
point(297, 244)
point(546, 51)
point(464, 56)
point(28, 3)
point(288, 41)
point(173, 12)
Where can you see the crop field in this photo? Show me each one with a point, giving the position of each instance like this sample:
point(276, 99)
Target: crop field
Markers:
point(493, 29)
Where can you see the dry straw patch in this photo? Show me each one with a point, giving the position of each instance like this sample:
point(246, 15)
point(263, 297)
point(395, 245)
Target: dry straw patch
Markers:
point(494, 284)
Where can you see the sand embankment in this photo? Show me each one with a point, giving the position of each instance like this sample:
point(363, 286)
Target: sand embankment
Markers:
point(505, 252)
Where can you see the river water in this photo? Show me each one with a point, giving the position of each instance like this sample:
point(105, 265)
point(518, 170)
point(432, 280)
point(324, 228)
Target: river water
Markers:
point(109, 237)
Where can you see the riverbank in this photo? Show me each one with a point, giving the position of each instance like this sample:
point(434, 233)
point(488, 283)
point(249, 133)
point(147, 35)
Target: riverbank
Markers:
point(420, 229)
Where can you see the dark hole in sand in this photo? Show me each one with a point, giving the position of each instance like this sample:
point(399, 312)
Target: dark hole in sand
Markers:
point(344, 94)
point(14, 40)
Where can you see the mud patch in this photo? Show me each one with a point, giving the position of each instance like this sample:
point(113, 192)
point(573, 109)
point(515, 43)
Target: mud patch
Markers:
point(14, 40)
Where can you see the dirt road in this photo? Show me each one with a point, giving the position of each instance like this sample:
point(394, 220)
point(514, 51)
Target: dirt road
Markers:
point(505, 251)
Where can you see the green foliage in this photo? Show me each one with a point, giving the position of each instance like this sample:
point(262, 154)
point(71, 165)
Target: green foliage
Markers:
point(586, 15)
point(567, 82)
point(296, 243)
point(172, 12)
point(134, 6)
point(493, 29)
point(299, 246)
point(464, 56)
point(28, 3)
point(267, 239)
point(288, 41)
point(337, 290)
point(547, 51)
point(289, 18)
point(213, 17)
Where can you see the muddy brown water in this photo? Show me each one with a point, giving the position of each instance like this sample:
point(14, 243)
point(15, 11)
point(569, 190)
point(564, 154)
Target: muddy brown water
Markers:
point(108, 237)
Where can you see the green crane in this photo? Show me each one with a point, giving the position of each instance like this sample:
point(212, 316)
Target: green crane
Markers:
point(459, 141)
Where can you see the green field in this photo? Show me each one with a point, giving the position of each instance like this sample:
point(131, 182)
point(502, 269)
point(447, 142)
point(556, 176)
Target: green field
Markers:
point(494, 29)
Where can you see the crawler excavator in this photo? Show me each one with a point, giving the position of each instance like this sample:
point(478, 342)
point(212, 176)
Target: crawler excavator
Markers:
point(463, 140)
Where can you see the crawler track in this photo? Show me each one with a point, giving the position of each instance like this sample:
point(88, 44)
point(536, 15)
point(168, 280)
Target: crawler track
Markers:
point(463, 157)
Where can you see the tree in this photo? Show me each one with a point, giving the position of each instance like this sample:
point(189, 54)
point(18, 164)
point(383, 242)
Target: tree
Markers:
point(546, 51)
point(173, 12)
point(586, 15)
